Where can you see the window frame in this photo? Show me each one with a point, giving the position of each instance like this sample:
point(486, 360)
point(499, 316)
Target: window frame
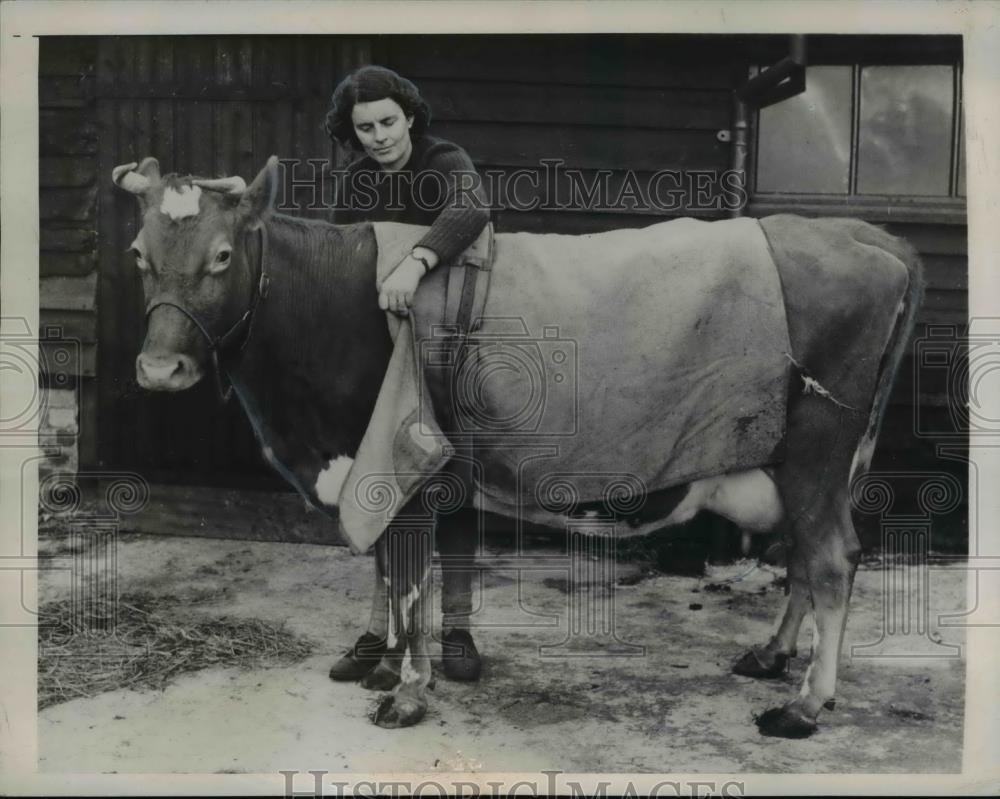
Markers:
point(873, 207)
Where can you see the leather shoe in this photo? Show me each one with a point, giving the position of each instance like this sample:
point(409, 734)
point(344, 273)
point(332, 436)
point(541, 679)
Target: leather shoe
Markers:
point(460, 657)
point(359, 659)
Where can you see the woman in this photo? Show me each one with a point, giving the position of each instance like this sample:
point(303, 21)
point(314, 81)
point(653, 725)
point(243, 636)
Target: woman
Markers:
point(409, 176)
point(406, 175)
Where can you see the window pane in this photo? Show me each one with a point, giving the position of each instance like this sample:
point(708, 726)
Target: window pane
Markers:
point(805, 141)
point(904, 144)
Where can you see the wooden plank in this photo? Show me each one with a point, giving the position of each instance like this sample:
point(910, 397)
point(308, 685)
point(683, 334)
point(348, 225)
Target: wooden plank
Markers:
point(939, 299)
point(225, 72)
point(245, 61)
point(943, 316)
point(143, 59)
point(66, 263)
point(62, 91)
point(125, 71)
point(68, 293)
point(585, 147)
point(115, 207)
point(110, 62)
point(930, 239)
point(75, 239)
point(66, 132)
point(77, 325)
point(66, 55)
point(946, 272)
point(68, 205)
point(662, 61)
point(614, 106)
point(66, 171)
point(163, 62)
point(192, 144)
point(232, 514)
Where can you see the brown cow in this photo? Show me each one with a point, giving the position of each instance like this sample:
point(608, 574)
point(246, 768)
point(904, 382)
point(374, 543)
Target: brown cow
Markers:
point(307, 357)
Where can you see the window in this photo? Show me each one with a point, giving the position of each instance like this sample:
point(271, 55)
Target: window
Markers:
point(863, 132)
point(805, 141)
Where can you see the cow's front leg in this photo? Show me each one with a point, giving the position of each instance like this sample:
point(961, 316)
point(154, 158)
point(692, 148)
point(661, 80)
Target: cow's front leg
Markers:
point(408, 703)
point(409, 618)
point(385, 675)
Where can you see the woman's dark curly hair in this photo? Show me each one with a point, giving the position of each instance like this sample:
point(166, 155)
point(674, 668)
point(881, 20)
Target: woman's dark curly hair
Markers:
point(366, 85)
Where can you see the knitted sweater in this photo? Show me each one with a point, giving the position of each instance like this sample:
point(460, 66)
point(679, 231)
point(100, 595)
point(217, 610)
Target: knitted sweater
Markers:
point(438, 187)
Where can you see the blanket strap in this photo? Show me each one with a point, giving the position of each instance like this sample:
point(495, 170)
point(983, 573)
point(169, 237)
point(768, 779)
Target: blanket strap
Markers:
point(465, 303)
point(465, 297)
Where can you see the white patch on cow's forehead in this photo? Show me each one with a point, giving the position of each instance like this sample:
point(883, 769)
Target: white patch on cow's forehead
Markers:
point(331, 479)
point(180, 204)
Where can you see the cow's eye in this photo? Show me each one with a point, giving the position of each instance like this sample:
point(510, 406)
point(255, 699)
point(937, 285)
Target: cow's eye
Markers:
point(221, 261)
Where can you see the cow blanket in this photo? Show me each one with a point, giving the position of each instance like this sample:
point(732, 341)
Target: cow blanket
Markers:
point(600, 369)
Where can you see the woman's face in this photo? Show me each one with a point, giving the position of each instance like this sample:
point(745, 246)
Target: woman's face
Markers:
point(384, 131)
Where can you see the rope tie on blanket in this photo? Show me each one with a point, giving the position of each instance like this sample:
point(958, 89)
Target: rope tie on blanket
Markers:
point(812, 386)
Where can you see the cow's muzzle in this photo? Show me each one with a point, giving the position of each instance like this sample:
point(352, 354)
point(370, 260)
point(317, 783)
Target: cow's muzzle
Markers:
point(174, 372)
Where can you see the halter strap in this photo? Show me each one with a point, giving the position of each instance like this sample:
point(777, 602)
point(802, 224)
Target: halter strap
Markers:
point(240, 329)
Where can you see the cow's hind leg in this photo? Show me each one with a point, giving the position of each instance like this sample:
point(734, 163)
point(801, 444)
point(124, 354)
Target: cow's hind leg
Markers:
point(771, 660)
point(830, 564)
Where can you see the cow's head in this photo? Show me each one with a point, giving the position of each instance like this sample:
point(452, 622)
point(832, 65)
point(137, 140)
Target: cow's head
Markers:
point(191, 253)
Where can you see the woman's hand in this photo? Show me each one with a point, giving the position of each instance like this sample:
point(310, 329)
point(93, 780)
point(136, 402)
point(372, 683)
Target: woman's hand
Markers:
point(397, 292)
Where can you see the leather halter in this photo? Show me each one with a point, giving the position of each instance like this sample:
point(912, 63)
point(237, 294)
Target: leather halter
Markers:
point(240, 330)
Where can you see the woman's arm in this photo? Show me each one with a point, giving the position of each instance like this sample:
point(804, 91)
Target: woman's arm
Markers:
point(465, 206)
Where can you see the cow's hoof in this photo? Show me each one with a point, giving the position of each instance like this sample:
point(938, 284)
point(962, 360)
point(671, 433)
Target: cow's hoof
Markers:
point(359, 660)
point(761, 664)
point(395, 711)
point(460, 657)
point(381, 678)
point(785, 722)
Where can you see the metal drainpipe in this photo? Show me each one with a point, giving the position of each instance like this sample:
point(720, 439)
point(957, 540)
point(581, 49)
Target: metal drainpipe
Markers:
point(740, 148)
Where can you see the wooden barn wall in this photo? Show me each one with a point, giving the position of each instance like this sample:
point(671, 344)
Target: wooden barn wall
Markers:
point(68, 187)
point(614, 103)
point(221, 105)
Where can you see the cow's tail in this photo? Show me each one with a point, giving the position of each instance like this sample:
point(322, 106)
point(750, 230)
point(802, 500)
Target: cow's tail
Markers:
point(892, 357)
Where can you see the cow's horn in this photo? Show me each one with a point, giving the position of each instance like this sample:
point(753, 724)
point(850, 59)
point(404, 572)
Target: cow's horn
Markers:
point(125, 177)
point(234, 185)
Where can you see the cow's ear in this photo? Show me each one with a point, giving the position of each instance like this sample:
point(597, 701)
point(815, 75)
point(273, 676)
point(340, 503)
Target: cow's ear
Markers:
point(258, 199)
point(150, 168)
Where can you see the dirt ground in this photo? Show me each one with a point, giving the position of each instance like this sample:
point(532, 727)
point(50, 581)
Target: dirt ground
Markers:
point(674, 708)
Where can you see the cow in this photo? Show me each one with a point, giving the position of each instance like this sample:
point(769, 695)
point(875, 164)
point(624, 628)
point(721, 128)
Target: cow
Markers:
point(201, 256)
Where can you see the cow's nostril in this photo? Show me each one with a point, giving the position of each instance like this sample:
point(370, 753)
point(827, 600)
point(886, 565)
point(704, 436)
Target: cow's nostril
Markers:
point(171, 373)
